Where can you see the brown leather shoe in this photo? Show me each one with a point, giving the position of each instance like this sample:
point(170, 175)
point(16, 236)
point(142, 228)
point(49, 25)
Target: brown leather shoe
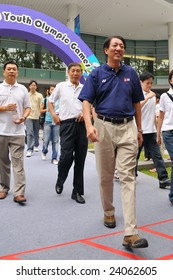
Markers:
point(3, 195)
point(109, 221)
point(134, 241)
point(19, 199)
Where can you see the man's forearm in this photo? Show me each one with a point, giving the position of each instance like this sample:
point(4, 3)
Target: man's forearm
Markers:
point(87, 113)
point(51, 108)
point(138, 115)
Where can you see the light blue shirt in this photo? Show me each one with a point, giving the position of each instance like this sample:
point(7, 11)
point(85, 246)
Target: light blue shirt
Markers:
point(48, 117)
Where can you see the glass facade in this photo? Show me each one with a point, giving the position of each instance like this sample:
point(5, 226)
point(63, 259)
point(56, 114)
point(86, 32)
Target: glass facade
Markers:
point(35, 60)
point(142, 55)
point(28, 54)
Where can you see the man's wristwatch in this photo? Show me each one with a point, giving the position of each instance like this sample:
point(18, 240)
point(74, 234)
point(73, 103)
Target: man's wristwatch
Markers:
point(140, 130)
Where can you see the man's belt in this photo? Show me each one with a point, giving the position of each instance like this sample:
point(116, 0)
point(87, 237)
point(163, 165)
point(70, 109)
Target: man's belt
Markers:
point(71, 120)
point(114, 120)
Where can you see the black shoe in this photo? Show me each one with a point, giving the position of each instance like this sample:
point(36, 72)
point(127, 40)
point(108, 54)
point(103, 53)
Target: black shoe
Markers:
point(58, 188)
point(164, 184)
point(77, 197)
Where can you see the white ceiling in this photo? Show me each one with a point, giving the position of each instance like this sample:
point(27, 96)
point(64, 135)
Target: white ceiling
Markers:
point(132, 19)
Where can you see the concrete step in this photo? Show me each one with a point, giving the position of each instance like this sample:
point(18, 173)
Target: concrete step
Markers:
point(142, 164)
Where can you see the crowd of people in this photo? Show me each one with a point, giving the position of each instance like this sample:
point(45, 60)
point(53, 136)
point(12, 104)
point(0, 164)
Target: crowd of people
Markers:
point(115, 109)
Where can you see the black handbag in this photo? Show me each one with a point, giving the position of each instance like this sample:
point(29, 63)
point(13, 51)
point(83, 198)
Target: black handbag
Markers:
point(42, 119)
point(42, 115)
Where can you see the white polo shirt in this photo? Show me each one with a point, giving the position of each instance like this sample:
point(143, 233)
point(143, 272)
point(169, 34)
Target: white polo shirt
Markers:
point(69, 104)
point(166, 106)
point(18, 94)
point(148, 115)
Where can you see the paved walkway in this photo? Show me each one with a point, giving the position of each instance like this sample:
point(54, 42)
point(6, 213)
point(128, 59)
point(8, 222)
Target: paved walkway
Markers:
point(55, 227)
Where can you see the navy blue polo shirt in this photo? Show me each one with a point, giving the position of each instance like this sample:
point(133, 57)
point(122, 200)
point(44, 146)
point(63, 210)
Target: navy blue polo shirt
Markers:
point(113, 93)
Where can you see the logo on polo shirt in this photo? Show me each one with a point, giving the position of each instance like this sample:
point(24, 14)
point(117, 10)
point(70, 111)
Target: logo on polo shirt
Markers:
point(103, 81)
point(126, 79)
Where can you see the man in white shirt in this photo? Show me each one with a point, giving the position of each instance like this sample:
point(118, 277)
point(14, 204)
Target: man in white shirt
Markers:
point(14, 109)
point(165, 125)
point(148, 115)
point(73, 138)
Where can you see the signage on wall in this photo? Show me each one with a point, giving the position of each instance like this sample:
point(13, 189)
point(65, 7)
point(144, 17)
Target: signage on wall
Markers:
point(77, 25)
point(40, 28)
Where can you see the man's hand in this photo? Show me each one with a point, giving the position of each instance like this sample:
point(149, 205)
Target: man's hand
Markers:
point(140, 138)
point(56, 119)
point(80, 118)
point(19, 121)
point(150, 95)
point(159, 140)
point(11, 107)
point(92, 134)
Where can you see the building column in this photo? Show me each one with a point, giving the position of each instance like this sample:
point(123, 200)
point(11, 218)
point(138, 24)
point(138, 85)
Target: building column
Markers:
point(170, 45)
point(71, 15)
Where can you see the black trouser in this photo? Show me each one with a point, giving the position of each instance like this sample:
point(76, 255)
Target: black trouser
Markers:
point(149, 140)
point(74, 146)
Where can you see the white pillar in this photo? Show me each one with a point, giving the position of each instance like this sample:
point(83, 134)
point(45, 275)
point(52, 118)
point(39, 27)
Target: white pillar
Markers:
point(170, 45)
point(71, 14)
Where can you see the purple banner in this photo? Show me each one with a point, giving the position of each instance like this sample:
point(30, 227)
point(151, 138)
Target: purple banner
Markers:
point(40, 28)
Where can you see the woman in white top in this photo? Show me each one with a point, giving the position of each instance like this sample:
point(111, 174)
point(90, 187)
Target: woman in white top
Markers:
point(165, 125)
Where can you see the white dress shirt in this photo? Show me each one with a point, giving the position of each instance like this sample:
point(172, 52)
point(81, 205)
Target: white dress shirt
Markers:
point(166, 106)
point(69, 104)
point(148, 115)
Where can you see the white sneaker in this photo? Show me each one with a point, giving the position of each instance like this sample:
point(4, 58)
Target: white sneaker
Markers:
point(36, 149)
point(29, 153)
point(43, 156)
point(55, 161)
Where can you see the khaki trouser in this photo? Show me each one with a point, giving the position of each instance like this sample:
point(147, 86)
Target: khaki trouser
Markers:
point(12, 150)
point(118, 143)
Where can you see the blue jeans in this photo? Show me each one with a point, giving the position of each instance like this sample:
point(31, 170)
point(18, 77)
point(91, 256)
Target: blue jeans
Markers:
point(168, 141)
point(50, 133)
point(32, 131)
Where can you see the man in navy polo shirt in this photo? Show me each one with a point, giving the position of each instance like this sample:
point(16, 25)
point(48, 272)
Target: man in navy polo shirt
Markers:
point(115, 90)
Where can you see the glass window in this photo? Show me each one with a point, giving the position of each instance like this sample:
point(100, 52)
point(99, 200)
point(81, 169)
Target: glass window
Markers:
point(142, 55)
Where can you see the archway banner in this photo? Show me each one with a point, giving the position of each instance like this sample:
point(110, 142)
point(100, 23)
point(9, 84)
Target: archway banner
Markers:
point(37, 27)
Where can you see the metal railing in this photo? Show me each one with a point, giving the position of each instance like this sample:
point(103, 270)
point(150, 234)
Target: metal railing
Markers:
point(43, 74)
point(60, 75)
